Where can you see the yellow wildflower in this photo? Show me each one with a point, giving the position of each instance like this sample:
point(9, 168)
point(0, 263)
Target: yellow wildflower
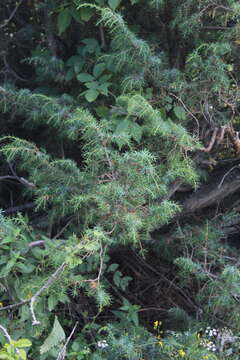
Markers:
point(206, 357)
point(181, 353)
point(160, 342)
point(1, 304)
point(155, 324)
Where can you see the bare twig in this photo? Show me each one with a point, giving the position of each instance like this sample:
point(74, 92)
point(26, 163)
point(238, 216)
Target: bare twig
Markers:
point(97, 279)
point(188, 111)
point(212, 141)
point(101, 257)
point(21, 179)
point(103, 41)
point(6, 334)
point(14, 306)
point(63, 229)
point(8, 337)
point(12, 15)
point(31, 301)
point(221, 137)
point(227, 173)
point(62, 352)
point(10, 70)
point(36, 243)
point(214, 28)
point(6, 177)
point(52, 278)
point(19, 208)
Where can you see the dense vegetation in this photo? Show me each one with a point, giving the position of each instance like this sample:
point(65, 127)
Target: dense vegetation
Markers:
point(120, 181)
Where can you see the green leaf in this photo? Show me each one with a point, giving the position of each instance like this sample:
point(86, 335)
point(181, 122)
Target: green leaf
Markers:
point(103, 88)
point(84, 77)
point(23, 354)
point(73, 60)
point(112, 267)
point(7, 268)
point(76, 14)
point(52, 302)
point(133, 2)
point(86, 13)
point(104, 78)
point(69, 75)
point(22, 343)
point(114, 4)
point(5, 356)
point(98, 69)
point(90, 42)
point(92, 85)
point(78, 67)
point(56, 336)
point(7, 240)
point(91, 95)
point(102, 111)
point(25, 269)
point(179, 112)
point(117, 278)
point(64, 20)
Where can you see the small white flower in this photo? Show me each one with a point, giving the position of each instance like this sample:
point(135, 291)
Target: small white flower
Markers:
point(102, 344)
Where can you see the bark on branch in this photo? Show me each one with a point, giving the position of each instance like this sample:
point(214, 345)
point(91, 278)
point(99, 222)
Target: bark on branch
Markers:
point(209, 195)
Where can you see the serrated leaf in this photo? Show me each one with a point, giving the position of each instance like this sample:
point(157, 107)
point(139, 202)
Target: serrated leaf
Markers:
point(84, 77)
point(114, 4)
point(56, 336)
point(91, 95)
point(64, 20)
point(98, 69)
point(179, 112)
